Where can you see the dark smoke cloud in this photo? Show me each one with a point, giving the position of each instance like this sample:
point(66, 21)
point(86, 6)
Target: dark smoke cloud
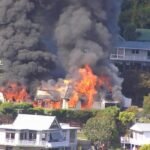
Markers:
point(83, 32)
point(25, 59)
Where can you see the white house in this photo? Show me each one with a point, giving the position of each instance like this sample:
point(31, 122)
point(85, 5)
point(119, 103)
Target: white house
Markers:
point(37, 132)
point(140, 135)
point(132, 51)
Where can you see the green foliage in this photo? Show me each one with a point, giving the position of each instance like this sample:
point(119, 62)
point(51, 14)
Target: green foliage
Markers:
point(133, 109)
point(76, 115)
point(135, 85)
point(101, 129)
point(145, 79)
point(22, 107)
point(146, 104)
point(36, 110)
point(7, 108)
point(145, 147)
point(126, 117)
point(136, 13)
point(129, 32)
point(111, 111)
point(144, 120)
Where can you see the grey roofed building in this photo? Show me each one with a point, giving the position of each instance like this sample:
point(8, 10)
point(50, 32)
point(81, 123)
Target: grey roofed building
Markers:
point(141, 127)
point(139, 135)
point(31, 122)
point(134, 45)
point(36, 132)
point(127, 52)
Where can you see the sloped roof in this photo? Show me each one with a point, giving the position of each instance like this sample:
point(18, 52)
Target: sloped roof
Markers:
point(31, 122)
point(134, 45)
point(141, 127)
point(66, 126)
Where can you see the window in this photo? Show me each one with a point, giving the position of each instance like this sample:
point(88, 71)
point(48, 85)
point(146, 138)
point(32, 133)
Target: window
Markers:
point(135, 51)
point(32, 135)
point(9, 148)
point(10, 135)
point(64, 135)
point(23, 135)
point(148, 54)
point(72, 135)
point(44, 135)
point(56, 136)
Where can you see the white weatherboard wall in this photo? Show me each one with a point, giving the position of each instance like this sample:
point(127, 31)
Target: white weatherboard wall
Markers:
point(147, 135)
point(2, 136)
point(39, 125)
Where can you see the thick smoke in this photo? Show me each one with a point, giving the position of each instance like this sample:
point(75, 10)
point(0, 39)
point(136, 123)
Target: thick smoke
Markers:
point(85, 33)
point(82, 32)
point(24, 57)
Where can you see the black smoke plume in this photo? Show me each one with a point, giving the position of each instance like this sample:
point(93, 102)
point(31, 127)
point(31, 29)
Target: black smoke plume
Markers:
point(79, 32)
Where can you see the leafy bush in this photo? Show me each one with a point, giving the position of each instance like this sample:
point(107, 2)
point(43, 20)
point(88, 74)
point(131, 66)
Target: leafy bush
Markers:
point(7, 108)
point(36, 110)
point(22, 107)
point(145, 147)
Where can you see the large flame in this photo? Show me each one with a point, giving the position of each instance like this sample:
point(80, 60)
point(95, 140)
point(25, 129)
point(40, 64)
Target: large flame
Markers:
point(87, 86)
point(83, 91)
point(14, 92)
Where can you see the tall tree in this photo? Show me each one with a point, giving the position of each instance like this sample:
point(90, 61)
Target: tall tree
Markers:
point(135, 12)
point(102, 130)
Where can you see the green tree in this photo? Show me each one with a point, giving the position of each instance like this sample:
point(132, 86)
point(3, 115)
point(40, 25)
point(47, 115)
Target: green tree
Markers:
point(135, 12)
point(101, 130)
point(145, 80)
point(130, 32)
point(127, 118)
point(146, 104)
point(145, 147)
point(136, 85)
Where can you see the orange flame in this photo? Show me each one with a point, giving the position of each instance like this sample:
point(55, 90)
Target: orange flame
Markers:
point(84, 88)
point(14, 92)
point(87, 86)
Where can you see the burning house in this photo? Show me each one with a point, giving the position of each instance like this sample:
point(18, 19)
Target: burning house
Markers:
point(73, 67)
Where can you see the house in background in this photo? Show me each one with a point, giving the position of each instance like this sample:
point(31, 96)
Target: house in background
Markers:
point(140, 135)
point(131, 54)
point(37, 132)
point(132, 51)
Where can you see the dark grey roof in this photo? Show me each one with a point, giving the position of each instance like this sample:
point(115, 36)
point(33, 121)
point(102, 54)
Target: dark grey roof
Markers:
point(134, 45)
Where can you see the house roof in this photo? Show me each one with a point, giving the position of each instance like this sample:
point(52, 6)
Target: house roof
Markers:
point(66, 126)
point(134, 45)
point(31, 122)
point(141, 127)
point(35, 122)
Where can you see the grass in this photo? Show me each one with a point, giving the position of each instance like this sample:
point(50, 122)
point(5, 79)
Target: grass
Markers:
point(81, 135)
